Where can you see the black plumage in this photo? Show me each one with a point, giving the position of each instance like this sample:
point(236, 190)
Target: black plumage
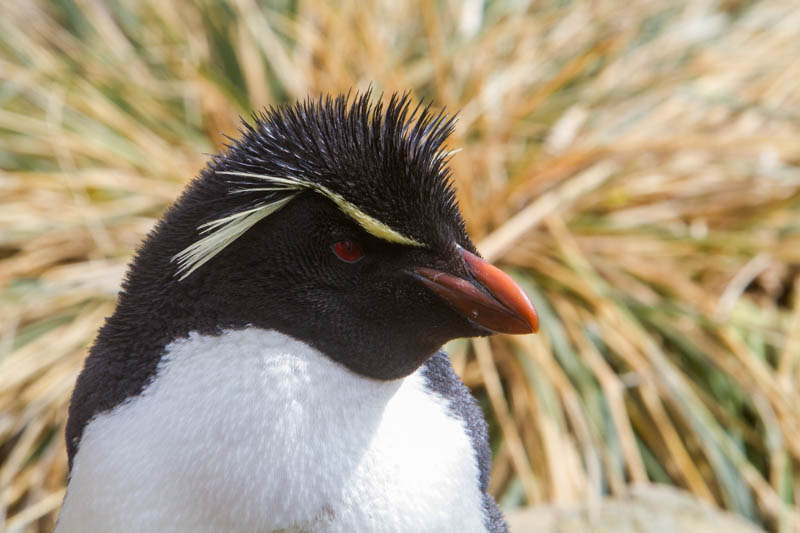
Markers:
point(388, 160)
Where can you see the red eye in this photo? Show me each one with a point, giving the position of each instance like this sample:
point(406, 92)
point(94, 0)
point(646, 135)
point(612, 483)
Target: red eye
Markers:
point(347, 251)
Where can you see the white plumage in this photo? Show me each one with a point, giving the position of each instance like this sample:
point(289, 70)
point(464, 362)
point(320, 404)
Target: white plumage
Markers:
point(254, 431)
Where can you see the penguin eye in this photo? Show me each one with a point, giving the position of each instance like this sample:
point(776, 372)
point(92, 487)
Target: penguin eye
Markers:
point(347, 251)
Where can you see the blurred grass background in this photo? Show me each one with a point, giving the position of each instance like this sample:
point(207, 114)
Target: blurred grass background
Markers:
point(636, 165)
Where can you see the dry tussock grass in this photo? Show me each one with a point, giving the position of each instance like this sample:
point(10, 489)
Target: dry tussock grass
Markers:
point(634, 165)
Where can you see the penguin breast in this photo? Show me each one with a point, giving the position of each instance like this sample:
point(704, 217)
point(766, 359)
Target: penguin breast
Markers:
point(253, 430)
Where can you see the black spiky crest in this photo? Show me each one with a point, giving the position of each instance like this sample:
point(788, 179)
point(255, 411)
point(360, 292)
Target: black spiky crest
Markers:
point(383, 167)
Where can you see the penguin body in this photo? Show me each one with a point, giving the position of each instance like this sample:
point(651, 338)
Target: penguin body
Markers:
point(279, 438)
point(273, 362)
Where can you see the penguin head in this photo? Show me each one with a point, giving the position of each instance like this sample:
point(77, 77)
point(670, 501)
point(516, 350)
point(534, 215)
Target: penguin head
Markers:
point(335, 222)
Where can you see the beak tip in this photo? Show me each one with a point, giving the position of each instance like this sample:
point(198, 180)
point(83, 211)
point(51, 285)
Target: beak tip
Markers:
point(534, 321)
point(532, 325)
point(506, 291)
point(497, 304)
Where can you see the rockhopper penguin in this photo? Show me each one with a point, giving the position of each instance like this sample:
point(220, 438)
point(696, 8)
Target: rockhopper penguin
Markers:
point(273, 362)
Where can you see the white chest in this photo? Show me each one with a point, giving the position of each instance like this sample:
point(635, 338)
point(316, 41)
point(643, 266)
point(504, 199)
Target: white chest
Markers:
point(253, 431)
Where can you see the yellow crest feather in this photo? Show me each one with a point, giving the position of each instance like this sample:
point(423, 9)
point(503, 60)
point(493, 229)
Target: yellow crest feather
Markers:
point(221, 232)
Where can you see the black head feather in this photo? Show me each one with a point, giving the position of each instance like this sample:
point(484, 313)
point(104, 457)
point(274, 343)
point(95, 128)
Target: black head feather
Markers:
point(389, 162)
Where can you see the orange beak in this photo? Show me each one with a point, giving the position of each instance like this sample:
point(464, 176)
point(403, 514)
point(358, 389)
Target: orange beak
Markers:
point(496, 303)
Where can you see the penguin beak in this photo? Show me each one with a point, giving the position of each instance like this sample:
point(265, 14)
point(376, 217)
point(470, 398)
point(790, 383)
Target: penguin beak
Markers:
point(494, 301)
